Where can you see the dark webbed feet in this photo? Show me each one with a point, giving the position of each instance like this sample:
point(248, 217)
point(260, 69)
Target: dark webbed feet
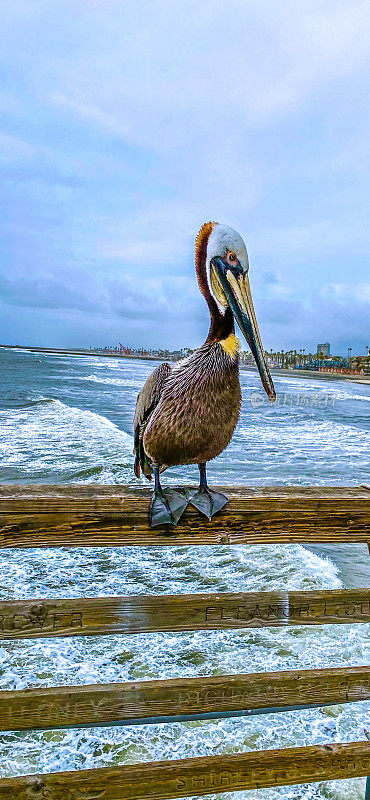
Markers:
point(208, 502)
point(205, 499)
point(167, 505)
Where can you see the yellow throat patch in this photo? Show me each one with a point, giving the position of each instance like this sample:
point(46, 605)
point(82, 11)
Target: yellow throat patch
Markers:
point(231, 346)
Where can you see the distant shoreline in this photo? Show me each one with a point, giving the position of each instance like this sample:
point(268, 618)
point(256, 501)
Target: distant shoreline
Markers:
point(276, 371)
point(72, 352)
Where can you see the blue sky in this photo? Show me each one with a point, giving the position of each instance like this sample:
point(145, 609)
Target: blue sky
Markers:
point(126, 125)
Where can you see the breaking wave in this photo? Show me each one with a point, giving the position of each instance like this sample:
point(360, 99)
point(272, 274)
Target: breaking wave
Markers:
point(47, 441)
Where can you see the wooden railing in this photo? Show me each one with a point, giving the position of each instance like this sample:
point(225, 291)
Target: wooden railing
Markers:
point(110, 516)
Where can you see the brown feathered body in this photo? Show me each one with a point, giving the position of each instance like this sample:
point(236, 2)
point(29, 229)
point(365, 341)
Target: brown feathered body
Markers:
point(187, 413)
point(196, 410)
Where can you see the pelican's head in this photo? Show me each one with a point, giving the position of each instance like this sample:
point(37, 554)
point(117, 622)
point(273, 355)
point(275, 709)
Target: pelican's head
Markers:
point(222, 267)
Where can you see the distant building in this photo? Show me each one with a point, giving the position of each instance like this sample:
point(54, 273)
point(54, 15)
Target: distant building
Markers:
point(323, 349)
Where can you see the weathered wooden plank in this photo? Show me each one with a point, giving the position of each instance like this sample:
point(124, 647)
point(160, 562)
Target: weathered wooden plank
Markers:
point(118, 491)
point(92, 516)
point(101, 498)
point(29, 619)
point(69, 706)
point(114, 530)
point(89, 490)
point(196, 776)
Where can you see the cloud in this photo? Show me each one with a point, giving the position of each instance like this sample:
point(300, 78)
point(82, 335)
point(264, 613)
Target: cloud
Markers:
point(348, 292)
point(253, 62)
point(127, 125)
point(127, 298)
point(92, 113)
point(44, 293)
point(13, 150)
point(336, 313)
point(154, 299)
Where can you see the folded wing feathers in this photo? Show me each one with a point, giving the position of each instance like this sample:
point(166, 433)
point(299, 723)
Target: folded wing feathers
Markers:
point(147, 400)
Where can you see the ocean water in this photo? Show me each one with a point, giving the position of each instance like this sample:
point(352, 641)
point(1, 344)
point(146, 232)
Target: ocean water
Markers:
point(67, 419)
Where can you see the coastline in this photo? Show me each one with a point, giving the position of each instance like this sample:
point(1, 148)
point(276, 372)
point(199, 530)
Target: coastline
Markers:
point(320, 376)
point(75, 352)
point(291, 373)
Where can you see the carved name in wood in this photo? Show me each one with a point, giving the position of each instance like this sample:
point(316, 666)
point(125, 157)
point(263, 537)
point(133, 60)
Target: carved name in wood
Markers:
point(129, 615)
point(196, 776)
point(108, 703)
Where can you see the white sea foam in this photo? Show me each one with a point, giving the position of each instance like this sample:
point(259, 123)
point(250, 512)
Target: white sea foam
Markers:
point(312, 433)
point(51, 440)
point(127, 382)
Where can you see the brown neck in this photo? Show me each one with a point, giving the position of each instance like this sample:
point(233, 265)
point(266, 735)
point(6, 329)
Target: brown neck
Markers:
point(221, 324)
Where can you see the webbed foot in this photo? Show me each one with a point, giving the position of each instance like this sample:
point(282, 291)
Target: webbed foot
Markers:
point(167, 506)
point(207, 501)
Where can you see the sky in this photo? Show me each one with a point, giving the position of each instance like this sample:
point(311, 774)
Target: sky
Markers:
point(127, 125)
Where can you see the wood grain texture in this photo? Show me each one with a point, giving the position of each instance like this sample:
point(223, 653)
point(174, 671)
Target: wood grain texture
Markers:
point(31, 619)
point(93, 705)
point(196, 776)
point(93, 516)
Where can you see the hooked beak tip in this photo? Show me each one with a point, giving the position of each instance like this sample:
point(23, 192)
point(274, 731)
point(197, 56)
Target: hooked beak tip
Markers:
point(269, 389)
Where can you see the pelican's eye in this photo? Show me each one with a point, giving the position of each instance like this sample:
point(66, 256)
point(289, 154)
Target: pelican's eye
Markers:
point(232, 258)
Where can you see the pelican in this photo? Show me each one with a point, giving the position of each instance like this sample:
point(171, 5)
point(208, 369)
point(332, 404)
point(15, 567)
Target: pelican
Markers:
point(186, 413)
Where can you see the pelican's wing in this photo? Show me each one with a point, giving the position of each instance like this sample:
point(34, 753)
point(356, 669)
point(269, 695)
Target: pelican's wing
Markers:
point(147, 400)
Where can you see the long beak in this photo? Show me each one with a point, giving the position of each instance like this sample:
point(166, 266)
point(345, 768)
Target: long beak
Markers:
point(235, 284)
